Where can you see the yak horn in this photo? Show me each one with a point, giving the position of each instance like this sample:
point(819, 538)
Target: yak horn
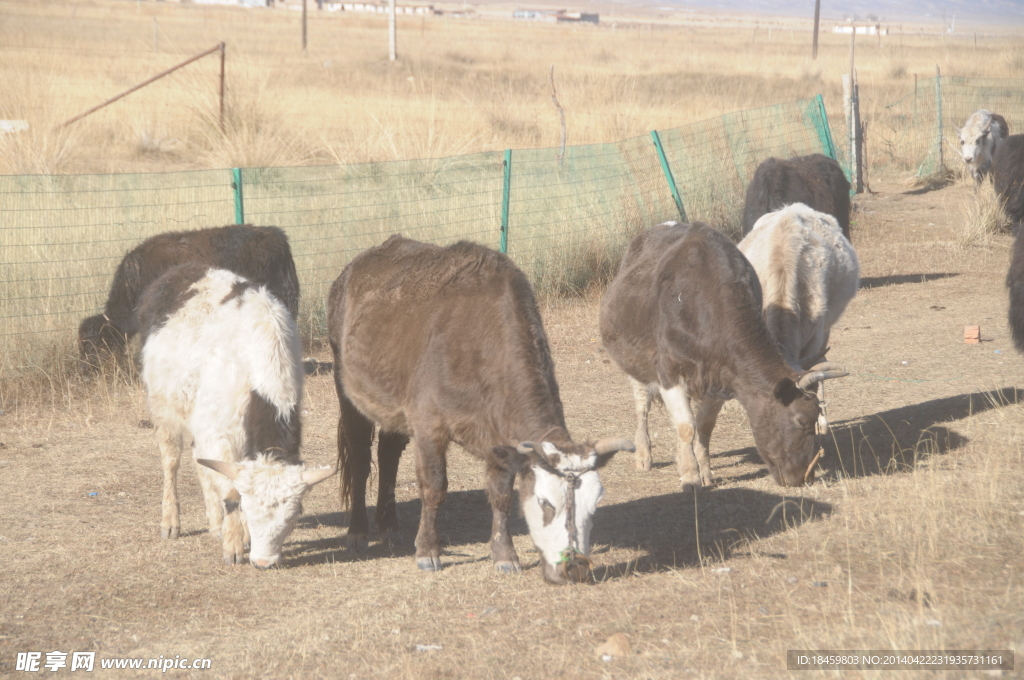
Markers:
point(529, 449)
point(612, 444)
point(810, 468)
point(820, 372)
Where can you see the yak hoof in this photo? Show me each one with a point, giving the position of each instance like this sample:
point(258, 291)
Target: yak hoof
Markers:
point(508, 567)
point(643, 463)
point(428, 563)
point(357, 543)
point(169, 532)
point(233, 558)
point(391, 538)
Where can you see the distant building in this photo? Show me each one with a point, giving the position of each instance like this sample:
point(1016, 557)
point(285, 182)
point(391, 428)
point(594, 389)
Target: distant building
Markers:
point(555, 15)
point(861, 30)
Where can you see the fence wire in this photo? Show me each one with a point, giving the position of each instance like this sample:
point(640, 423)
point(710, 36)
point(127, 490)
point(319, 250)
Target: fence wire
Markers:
point(567, 215)
point(922, 128)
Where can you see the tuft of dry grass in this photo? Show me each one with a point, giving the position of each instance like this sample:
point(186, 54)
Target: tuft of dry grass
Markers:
point(982, 216)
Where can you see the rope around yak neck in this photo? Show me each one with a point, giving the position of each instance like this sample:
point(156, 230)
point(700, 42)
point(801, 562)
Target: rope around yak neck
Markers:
point(572, 482)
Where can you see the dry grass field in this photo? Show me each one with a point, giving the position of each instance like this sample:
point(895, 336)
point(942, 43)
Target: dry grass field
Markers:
point(912, 538)
point(461, 85)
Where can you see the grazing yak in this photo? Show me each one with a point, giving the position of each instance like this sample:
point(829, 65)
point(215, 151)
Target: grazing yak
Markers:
point(446, 344)
point(221, 361)
point(1015, 282)
point(260, 254)
point(808, 273)
point(815, 180)
point(980, 136)
point(683, 320)
point(1008, 178)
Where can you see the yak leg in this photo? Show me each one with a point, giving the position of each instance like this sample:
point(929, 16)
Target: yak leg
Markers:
point(500, 480)
point(355, 439)
point(432, 479)
point(707, 415)
point(677, 403)
point(214, 506)
point(389, 450)
point(642, 400)
point(170, 440)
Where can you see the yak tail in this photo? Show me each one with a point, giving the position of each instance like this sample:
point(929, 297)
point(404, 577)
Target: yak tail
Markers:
point(355, 442)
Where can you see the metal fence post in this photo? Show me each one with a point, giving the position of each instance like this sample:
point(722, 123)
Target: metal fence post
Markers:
point(505, 189)
point(236, 184)
point(822, 127)
point(668, 174)
point(938, 112)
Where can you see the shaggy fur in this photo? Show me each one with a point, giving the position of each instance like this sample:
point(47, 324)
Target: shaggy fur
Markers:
point(443, 345)
point(683, 319)
point(980, 136)
point(808, 272)
point(221, 361)
point(261, 254)
point(1015, 282)
point(815, 180)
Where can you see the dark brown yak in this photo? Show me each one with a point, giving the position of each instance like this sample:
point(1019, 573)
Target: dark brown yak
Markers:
point(683, 319)
point(447, 344)
point(815, 180)
point(261, 254)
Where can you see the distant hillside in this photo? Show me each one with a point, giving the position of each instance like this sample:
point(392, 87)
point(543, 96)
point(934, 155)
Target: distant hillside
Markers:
point(1000, 12)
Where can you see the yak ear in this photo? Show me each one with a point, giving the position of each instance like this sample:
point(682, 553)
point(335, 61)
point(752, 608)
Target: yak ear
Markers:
point(314, 477)
point(787, 392)
point(508, 459)
point(229, 470)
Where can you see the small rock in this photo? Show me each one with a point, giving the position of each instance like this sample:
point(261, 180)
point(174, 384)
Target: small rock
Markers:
point(933, 623)
point(819, 584)
point(489, 610)
point(763, 611)
point(694, 617)
point(791, 580)
point(429, 648)
point(721, 570)
point(837, 570)
point(121, 494)
point(145, 424)
point(617, 644)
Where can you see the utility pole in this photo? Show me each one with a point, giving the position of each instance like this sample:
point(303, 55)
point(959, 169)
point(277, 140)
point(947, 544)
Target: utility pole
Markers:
point(303, 25)
point(392, 43)
point(817, 16)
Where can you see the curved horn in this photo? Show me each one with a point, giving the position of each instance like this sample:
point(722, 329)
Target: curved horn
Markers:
point(612, 444)
point(529, 449)
point(820, 372)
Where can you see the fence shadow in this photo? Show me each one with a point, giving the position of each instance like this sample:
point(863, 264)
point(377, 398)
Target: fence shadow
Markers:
point(880, 281)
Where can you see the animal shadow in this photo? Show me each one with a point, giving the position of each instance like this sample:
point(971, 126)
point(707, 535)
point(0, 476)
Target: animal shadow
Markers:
point(897, 279)
point(679, 530)
point(463, 519)
point(898, 439)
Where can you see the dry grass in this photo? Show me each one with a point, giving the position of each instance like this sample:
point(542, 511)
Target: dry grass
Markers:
point(915, 528)
point(460, 85)
point(982, 215)
point(911, 540)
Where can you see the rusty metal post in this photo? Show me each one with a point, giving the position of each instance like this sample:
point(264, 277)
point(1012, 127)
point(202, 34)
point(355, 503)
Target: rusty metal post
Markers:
point(220, 119)
point(142, 85)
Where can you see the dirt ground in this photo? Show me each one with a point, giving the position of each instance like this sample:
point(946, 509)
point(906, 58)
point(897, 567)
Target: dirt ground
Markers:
point(720, 586)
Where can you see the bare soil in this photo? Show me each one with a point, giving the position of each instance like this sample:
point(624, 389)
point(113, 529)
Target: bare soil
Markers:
point(911, 539)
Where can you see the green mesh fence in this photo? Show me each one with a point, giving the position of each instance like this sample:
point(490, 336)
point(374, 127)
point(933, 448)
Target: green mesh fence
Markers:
point(920, 131)
point(566, 216)
point(713, 160)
